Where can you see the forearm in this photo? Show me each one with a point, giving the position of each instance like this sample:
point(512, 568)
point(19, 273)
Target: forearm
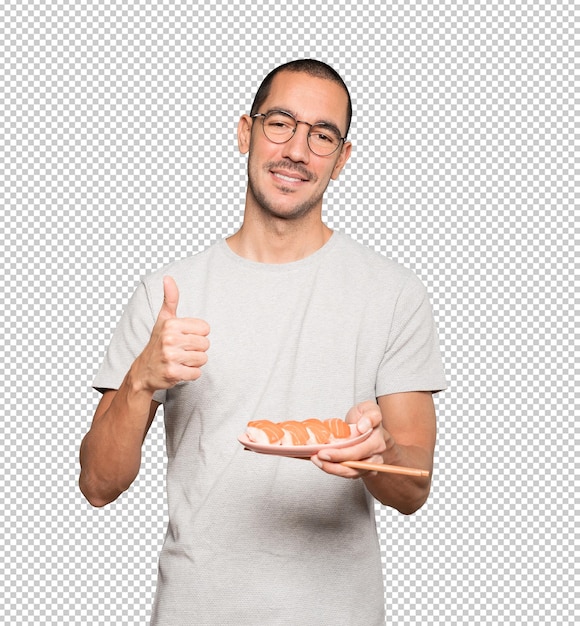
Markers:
point(110, 454)
point(407, 494)
point(111, 451)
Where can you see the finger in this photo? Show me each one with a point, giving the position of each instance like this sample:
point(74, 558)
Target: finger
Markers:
point(195, 343)
point(194, 359)
point(184, 349)
point(370, 449)
point(365, 415)
point(353, 416)
point(336, 469)
point(188, 373)
point(170, 299)
point(193, 326)
point(178, 337)
point(187, 326)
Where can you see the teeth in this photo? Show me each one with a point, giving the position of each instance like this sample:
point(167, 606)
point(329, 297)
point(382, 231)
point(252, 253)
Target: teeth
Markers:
point(288, 178)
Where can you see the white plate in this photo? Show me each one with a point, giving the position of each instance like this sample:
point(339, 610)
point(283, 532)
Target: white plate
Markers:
point(302, 451)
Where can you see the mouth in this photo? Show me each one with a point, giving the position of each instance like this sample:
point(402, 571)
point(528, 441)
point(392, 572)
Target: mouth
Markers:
point(288, 177)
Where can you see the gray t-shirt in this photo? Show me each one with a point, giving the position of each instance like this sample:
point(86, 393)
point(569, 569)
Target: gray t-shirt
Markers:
point(257, 539)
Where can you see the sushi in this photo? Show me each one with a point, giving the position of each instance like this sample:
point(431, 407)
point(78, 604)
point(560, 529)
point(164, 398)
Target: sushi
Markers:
point(264, 432)
point(319, 433)
point(294, 433)
point(339, 429)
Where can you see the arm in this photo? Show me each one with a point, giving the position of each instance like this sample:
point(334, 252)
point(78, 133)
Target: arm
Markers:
point(110, 452)
point(404, 432)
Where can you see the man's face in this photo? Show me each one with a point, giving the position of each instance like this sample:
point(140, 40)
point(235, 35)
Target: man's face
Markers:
point(288, 180)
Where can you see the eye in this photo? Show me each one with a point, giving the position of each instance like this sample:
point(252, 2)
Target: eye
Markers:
point(322, 135)
point(280, 122)
point(322, 138)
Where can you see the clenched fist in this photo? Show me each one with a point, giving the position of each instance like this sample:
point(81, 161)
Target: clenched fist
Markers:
point(177, 348)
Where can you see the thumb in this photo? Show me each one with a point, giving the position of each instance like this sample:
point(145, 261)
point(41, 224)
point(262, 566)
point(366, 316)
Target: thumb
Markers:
point(354, 414)
point(170, 298)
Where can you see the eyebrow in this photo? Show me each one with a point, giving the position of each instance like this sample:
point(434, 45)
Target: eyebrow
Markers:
point(326, 123)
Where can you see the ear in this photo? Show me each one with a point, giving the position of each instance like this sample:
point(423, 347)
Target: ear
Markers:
point(342, 159)
point(244, 133)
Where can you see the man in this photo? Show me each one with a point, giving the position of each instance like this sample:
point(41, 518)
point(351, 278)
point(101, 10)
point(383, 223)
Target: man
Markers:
point(304, 323)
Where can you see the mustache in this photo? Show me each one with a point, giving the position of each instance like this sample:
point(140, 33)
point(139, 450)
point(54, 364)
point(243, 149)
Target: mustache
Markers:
point(291, 166)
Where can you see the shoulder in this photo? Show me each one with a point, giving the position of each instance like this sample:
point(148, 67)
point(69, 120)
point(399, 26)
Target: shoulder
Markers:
point(183, 269)
point(187, 273)
point(372, 266)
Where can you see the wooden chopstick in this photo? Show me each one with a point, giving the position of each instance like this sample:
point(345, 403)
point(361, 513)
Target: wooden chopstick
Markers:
point(388, 469)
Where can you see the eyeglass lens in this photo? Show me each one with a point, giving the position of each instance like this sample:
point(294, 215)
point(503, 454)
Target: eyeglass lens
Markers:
point(279, 127)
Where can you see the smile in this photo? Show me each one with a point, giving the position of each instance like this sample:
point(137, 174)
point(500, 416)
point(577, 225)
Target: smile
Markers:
point(288, 177)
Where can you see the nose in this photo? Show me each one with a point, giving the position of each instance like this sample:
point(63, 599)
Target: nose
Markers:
point(296, 148)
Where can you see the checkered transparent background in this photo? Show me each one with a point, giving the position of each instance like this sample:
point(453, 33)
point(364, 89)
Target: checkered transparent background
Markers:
point(118, 155)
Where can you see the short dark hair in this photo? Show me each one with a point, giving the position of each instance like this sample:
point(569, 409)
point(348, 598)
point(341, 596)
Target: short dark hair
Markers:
point(312, 67)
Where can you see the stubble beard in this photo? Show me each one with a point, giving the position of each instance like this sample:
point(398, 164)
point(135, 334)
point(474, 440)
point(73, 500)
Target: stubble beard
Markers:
point(271, 208)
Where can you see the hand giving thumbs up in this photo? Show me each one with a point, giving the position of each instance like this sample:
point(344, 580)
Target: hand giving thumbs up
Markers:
point(177, 348)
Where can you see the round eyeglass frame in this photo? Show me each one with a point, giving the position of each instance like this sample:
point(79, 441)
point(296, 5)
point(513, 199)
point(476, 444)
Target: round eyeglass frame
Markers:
point(265, 115)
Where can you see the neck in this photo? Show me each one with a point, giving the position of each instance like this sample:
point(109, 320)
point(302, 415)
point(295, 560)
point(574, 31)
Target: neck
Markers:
point(278, 240)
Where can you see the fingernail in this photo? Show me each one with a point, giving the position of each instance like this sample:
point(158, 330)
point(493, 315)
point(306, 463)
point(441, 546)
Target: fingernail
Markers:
point(324, 456)
point(363, 425)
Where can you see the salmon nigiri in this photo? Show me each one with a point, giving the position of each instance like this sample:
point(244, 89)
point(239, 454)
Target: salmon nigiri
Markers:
point(264, 432)
point(295, 433)
point(319, 433)
point(339, 429)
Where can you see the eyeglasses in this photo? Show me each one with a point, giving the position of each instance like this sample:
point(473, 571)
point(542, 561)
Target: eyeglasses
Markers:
point(279, 127)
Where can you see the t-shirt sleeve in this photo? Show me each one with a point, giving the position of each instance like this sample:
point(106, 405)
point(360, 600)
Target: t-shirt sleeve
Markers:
point(412, 359)
point(130, 337)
